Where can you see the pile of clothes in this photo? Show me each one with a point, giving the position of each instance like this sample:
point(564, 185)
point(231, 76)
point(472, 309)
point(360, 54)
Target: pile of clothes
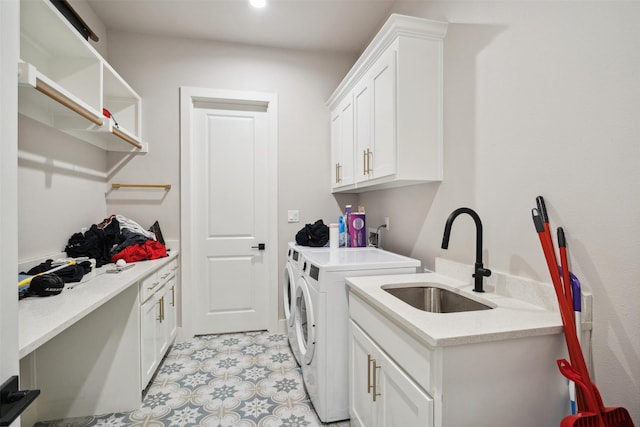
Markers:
point(116, 237)
point(49, 277)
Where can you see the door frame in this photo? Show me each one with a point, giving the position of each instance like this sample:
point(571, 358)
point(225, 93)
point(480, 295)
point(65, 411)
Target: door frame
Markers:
point(10, 47)
point(236, 100)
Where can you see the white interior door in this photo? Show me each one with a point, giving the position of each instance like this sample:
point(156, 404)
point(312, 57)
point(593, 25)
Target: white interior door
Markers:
point(232, 195)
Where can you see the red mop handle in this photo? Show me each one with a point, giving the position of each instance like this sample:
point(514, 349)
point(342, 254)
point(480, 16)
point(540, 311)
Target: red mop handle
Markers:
point(566, 314)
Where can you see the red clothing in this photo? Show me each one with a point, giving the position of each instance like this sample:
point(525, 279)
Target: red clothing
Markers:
point(151, 249)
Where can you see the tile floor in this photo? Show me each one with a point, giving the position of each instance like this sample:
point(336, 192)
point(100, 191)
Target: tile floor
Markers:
point(247, 380)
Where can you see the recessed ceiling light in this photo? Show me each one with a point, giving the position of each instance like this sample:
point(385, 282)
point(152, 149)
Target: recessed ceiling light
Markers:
point(258, 3)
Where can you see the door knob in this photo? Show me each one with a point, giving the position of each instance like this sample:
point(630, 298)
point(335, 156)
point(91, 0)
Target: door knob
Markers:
point(260, 247)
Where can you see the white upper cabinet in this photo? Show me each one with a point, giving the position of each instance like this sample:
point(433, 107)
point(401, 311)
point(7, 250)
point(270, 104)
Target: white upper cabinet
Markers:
point(395, 89)
point(65, 83)
point(342, 145)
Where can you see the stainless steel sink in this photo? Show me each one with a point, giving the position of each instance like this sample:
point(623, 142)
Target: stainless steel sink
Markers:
point(428, 297)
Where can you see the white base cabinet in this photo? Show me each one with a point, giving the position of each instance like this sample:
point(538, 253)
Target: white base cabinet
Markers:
point(513, 382)
point(157, 318)
point(92, 349)
point(381, 393)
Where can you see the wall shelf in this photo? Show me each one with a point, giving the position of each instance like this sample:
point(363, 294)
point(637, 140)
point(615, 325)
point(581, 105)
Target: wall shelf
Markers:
point(65, 83)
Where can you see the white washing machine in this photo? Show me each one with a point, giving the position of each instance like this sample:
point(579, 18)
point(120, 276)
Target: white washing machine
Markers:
point(321, 319)
point(292, 273)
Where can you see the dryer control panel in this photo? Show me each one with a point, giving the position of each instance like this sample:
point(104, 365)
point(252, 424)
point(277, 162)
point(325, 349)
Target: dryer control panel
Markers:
point(314, 272)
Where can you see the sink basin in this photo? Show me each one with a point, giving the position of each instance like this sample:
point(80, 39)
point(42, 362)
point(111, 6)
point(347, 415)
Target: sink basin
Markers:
point(429, 297)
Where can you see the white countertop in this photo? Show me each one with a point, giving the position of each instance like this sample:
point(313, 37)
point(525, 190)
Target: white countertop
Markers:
point(42, 318)
point(508, 319)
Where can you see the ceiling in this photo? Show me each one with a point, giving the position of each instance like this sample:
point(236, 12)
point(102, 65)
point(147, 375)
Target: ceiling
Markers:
point(316, 25)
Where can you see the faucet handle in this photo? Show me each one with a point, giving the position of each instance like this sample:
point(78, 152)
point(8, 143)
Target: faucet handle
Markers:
point(479, 273)
point(482, 272)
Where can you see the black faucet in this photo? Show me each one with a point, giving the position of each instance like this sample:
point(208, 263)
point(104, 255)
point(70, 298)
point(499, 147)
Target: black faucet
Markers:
point(479, 271)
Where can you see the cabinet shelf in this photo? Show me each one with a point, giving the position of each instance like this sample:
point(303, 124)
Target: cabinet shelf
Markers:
point(66, 84)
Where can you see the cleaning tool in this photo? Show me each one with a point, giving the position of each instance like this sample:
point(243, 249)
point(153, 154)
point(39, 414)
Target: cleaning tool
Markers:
point(591, 410)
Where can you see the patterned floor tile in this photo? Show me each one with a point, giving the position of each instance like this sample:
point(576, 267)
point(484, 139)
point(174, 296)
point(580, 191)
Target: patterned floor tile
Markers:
point(232, 380)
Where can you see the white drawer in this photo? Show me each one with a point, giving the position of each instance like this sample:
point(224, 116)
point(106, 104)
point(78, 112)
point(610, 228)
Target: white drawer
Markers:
point(149, 285)
point(168, 271)
point(412, 356)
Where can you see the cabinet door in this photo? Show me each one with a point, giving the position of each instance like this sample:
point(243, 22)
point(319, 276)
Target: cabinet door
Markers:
point(401, 402)
point(170, 310)
point(362, 129)
point(149, 358)
point(162, 326)
point(360, 384)
point(384, 115)
point(342, 144)
point(380, 392)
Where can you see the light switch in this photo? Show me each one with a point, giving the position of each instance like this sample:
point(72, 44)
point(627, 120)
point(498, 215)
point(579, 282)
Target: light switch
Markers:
point(293, 216)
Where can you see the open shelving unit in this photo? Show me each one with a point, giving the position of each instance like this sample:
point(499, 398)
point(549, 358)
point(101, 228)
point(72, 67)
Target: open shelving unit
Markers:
point(65, 83)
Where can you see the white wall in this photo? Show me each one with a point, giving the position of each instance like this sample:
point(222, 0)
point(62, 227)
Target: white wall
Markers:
point(158, 67)
point(541, 98)
point(61, 180)
point(60, 188)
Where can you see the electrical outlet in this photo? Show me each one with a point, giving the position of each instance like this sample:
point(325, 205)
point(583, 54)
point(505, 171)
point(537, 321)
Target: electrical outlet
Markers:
point(293, 216)
point(373, 238)
point(386, 222)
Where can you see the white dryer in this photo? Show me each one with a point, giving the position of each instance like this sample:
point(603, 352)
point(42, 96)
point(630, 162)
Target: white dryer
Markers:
point(321, 319)
point(292, 273)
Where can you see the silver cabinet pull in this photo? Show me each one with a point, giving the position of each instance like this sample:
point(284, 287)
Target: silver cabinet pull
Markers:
point(365, 156)
point(375, 380)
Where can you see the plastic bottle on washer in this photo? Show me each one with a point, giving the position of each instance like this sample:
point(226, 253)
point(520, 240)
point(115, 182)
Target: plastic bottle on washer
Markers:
point(334, 236)
point(341, 230)
point(347, 212)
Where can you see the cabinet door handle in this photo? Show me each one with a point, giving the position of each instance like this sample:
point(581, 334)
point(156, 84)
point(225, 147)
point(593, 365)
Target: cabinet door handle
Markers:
point(159, 318)
point(375, 380)
point(369, 387)
point(368, 154)
point(153, 285)
point(365, 156)
point(173, 296)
